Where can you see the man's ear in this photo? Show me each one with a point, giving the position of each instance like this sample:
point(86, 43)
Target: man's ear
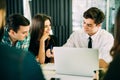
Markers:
point(11, 32)
point(99, 25)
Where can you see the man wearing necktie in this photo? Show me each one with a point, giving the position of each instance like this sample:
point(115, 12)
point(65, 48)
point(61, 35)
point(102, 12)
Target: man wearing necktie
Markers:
point(90, 42)
point(92, 36)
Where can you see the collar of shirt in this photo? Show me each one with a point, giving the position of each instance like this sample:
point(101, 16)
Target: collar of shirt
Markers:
point(19, 44)
point(93, 36)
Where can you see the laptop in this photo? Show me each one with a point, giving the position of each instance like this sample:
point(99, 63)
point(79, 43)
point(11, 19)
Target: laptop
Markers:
point(76, 61)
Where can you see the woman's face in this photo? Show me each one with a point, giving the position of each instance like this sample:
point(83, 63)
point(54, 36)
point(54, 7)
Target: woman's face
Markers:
point(47, 27)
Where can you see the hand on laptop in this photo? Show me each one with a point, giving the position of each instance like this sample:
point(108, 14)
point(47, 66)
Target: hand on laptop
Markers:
point(49, 53)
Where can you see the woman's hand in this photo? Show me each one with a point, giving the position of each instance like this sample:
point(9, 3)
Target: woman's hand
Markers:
point(45, 37)
point(49, 53)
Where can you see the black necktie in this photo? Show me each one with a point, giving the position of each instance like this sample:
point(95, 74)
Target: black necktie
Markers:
point(90, 42)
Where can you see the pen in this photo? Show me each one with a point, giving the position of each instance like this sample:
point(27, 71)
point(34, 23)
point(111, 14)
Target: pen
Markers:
point(51, 47)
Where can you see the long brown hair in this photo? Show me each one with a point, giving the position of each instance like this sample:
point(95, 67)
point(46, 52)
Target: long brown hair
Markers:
point(37, 27)
point(116, 47)
point(2, 16)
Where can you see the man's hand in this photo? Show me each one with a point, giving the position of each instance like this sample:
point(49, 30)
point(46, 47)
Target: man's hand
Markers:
point(102, 64)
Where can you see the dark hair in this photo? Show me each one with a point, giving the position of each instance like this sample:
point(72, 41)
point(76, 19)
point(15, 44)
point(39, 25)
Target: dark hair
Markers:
point(94, 13)
point(15, 21)
point(37, 27)
point(116, 47)
point(2, 18)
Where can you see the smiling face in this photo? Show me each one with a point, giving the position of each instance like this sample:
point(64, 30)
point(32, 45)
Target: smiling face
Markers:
point(90, 27)
point(47, 27)
point(21, 34)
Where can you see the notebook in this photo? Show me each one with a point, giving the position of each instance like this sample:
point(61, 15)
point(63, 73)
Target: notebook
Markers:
point(76, 61)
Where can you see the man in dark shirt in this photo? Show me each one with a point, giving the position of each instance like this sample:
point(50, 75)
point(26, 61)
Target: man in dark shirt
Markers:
point(16, 64)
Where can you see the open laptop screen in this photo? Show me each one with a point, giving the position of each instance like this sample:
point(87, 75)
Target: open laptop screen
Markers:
point(76, 61)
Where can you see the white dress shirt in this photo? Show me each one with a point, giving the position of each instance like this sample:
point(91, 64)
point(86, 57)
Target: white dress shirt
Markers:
point(102, 40)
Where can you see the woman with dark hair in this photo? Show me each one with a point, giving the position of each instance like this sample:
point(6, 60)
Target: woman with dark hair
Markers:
point(113, 72)
point(42, 42)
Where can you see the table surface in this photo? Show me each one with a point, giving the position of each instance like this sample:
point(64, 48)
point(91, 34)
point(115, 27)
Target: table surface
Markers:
point(49, 72)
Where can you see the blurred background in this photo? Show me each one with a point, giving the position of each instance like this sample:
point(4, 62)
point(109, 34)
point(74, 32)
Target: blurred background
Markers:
point(67, 15)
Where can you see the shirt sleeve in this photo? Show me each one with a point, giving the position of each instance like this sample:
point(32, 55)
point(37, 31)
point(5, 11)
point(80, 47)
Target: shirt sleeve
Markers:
point(104, 51)
point(71, 40)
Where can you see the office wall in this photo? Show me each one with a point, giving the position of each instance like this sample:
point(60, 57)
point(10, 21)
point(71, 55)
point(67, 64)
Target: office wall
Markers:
point(14, 6)
point(61, 14)
point(80, 6)
point(117, 4)
point(59, 10)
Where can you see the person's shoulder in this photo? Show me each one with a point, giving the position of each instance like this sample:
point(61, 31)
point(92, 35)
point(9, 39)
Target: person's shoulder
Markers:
point(6, 50)
point(77, 32)
point(14, 53)
point(20, 58)
point(52, 36)
point(105, 33)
